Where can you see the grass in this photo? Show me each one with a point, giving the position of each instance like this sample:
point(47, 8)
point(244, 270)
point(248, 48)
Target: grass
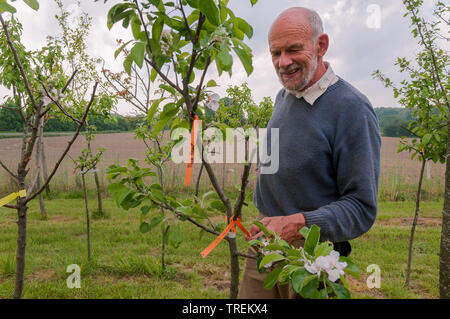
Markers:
point(125, 263)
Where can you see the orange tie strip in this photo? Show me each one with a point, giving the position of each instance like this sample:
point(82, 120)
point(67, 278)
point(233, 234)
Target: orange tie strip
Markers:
point(187, 178)
point(230, 227)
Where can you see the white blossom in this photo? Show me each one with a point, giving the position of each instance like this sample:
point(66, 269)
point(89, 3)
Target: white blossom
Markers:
point(46, 100)
point(329, 264)
point(213, 101)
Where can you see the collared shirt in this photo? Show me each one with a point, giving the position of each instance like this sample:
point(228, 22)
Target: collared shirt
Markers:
point(312, 93)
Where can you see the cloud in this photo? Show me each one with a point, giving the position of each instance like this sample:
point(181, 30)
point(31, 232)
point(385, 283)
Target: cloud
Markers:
point(356, 49)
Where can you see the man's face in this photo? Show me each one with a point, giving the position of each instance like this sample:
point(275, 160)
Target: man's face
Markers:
point(293, 54)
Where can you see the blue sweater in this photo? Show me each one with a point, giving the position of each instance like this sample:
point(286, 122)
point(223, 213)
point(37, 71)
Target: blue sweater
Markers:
point(329, 162)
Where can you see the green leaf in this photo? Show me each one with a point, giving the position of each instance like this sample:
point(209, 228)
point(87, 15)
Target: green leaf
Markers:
point(211, 83)
point(323, 249)
point(351, 268)
point(340, 291)
point(153, 75)
point(157, 28)
point(426, 139)
point(298, 277)
point(176, 237)
point(271, 278)
point(136, 27)
point(245, 59)
point(159, 196)
point(138, 53)
point(309, 287)
point(119, 191)
point(168, 88)
point(120, 49)
point(210, 10)
point(155, 221)
point(145, 210)
point(6, 7)
point(219, 205)
point(253, 2)
point(144, 228)
point(245, 27)
point(33, 4)
point(304, 231)
point(312, 239)
point(127, 64)
point(271, 258)
point(224, 58)
point(263, 228)
point(193, 3)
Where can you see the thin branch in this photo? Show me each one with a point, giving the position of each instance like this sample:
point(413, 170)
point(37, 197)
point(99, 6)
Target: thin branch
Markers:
point(10, 206)
point(185, 20)
point(59, 106)
point(69, 144)
point(199, 89)
point(70, 80)
point(8, 171)
point(244, 181)
point(19, 64)
point(241, 254)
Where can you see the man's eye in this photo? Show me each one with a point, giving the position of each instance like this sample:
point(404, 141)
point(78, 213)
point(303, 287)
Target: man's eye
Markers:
point(275, 53)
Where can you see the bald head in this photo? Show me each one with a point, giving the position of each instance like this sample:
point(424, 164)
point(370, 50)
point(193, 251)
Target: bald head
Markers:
point(297, 45)
point(308, 20)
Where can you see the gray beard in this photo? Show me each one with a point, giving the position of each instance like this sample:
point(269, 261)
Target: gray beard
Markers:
point(304, 81)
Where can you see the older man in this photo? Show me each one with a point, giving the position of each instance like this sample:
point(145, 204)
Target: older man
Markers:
point(329, 149)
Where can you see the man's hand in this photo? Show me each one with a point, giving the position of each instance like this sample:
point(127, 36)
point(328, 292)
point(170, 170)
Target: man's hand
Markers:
point(286, 227)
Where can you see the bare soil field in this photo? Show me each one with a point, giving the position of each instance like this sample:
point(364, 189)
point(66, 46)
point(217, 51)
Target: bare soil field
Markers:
point(395, 167)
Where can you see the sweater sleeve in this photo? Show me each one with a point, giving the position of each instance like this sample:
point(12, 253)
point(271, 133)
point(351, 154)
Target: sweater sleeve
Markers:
point(356, 161)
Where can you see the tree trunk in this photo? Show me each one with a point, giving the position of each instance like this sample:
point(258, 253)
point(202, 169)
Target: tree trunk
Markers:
point(44, 164)
point(197, 184)
point(99, 193)
point(97, 184)
point(38, 165)
point(163, 247)
point(87, 217)
point(416, 217)
point(21, 245)
point(444, 256)
point(234, 263)
point(21, 234)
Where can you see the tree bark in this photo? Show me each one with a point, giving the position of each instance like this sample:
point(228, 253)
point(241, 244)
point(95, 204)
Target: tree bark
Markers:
point(88, 226)
point(21, 247)
point(234, 263)
point(44, 163)
point(97, 184)
point(444, 260)
point(416, 217)
point(39, 147)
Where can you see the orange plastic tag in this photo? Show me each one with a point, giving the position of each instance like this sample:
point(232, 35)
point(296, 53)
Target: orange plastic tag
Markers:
point(229, 228)
point(187, 177)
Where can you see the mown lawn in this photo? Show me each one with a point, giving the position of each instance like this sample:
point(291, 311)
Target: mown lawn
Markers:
point(126, 263)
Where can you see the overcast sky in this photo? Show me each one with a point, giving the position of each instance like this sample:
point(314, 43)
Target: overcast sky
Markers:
point(365, 35)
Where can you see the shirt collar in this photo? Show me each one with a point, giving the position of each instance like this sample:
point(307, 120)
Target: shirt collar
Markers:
point(312, 93)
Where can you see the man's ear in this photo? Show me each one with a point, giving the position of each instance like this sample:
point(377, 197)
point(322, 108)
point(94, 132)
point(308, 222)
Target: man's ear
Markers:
point(322, 44)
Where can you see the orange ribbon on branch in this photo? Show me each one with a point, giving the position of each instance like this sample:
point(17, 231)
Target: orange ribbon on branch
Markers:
point(230, 228)
point(187, 177)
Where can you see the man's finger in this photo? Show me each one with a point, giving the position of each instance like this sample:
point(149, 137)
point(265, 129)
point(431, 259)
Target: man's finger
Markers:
point(259, 234)
point(254, 229)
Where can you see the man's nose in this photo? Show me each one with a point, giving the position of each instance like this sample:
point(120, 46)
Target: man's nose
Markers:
point(285, 60)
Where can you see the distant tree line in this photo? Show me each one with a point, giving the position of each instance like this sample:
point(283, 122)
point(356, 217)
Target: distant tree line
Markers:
point(394, 121)
point(10, 121)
